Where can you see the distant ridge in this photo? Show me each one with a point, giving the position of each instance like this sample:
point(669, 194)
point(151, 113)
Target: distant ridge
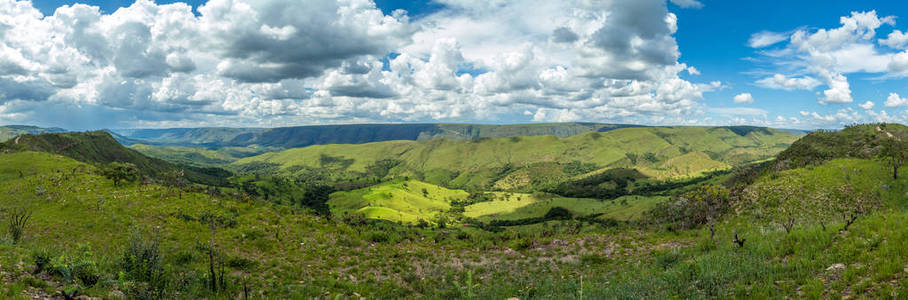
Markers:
point(10, 131)
point(301, 136)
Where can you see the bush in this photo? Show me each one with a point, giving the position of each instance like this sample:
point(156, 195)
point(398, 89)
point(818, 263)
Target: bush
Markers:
point(377, 237)
point(240, 263)
point(80, 268)
point(120, 172)
point(18, 220)
point(143, 267)
point(558, 213)
point(42, 259)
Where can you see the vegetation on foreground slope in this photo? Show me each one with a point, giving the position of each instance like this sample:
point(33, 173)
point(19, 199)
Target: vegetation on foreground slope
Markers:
point(829, 229)
point(99, 148)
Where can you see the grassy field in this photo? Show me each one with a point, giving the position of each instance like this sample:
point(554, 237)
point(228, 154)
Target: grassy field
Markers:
point(84, 226)
point(662, 153)
point(603, 149)
point(80, 221)
point(515, 206)
point(399, 201)
point(409, 201)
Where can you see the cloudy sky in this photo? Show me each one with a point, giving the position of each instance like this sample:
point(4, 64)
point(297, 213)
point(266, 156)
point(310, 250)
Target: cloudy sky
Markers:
point(121, 63)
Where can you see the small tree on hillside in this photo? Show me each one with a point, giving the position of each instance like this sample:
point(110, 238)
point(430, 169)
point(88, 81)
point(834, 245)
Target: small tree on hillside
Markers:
point(849, 204)
point(894, 151)
point(708, 203)
point(120, 172)
point(176, 179)
point(785, 201)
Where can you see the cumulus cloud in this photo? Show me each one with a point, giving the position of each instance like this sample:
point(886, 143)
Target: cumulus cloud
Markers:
point(866, 105)
point(894, 100)
point(744, 98)
point(829, 55)
point(896, 39)
point(289, 62)
point(782, 82)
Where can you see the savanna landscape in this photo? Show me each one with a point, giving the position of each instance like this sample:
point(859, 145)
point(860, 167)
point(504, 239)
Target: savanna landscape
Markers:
point(692, 212)
point(453, 149)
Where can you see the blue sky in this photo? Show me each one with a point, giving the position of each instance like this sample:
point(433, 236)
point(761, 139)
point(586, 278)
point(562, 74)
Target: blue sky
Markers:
point(285, 62)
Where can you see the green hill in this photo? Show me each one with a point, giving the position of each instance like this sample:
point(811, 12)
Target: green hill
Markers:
point(400, 200)
point(409, 201)
point(301, 136)
point(99, 148)
point(830, 229)
point(857, 141)
point(10, 131)
point(479, 164)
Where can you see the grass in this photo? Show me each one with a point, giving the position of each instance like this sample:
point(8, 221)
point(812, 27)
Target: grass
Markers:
point(187, 155)
point(678, 151)
point(399, 200)
point(404, 201)
point(284, 252)
point(515, 206)
point(278, 251)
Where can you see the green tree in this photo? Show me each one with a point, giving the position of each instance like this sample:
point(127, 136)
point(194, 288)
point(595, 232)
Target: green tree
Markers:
point(118, 172)
point(894, 151)
point(316, 197)
point(176, 179)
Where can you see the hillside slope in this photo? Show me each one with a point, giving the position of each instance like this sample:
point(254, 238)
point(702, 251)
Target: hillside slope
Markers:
point(301, 136)
point(10, 131)
point(99, 148)
point(857, 141)
point(661, 152)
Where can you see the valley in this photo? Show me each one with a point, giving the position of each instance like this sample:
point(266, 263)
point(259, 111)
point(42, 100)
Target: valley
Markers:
point(452, 218)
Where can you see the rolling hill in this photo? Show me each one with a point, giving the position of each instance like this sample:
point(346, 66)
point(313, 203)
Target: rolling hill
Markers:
point(658, 152)
point(301, 136)
point(410, 201)
point(100, 148)
point(846, 237)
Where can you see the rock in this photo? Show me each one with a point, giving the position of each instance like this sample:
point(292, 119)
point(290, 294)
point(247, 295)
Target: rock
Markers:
point(836, 267)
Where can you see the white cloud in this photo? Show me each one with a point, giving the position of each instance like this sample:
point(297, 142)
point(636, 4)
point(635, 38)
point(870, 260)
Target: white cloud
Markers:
point(744, 98)
point(693, 71)
point(739, 111)
point(688, 3)
point(896, 39)
point(782, 82)
point(894, 100)
point(830, 55)
point(766, 38)
point(866, 105)
point(288, 62)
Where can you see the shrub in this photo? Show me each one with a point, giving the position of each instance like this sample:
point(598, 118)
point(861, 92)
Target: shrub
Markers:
point(42, 259)
point(558, 213)
point(378, 236)
point(18, 220)
point(80, 268)
point(120, 172)
point(142, 265)
point(240, 263)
